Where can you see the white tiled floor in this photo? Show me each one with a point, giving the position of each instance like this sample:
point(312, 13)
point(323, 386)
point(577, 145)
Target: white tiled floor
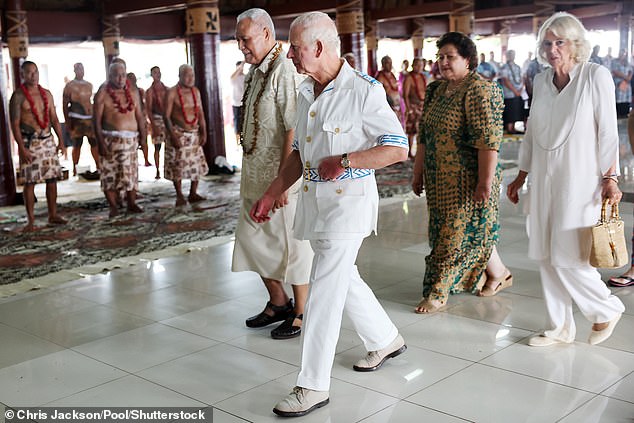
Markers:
point(171, 333)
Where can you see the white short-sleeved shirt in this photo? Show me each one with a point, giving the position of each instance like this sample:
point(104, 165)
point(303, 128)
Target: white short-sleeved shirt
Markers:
point(351, 114)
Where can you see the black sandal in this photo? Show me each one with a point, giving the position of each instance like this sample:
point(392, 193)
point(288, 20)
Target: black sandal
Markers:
point(287, 330)
point(279, 313)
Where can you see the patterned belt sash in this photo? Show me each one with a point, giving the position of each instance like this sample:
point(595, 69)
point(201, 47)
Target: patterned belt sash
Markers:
point(312, 175)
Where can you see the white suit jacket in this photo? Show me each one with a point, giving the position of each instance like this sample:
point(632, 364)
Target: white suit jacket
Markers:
point(351, 114)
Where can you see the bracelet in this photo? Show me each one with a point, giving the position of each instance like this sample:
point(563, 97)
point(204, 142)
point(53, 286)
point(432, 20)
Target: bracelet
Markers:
point(611, 178)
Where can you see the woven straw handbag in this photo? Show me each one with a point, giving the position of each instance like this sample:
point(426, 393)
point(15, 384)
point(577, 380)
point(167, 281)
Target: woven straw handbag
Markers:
point(608, 240)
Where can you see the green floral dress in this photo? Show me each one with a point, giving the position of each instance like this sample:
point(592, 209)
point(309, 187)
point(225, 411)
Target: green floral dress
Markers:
point(454, 126)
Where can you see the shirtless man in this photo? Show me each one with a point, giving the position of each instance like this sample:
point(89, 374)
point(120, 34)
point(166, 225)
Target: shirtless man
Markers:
point(32, 114)
point(155, 104)
point(390, 83)
point(185, 123)
point(77, 106)
point(133, 86)
point(119, 126)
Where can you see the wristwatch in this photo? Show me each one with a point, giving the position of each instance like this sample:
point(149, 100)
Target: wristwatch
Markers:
point(345, 161)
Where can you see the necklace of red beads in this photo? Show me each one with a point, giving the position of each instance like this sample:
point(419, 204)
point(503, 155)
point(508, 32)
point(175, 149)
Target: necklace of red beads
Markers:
point(115, 99)
point(180, 99)
point(43, 123)
point(391, 79)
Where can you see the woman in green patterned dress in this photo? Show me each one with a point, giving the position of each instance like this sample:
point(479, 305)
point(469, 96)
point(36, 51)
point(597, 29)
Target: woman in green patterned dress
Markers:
point(456, 164)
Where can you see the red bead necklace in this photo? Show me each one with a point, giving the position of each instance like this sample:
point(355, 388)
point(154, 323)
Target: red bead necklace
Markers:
point(390, 79)
point(115, 99)
point(180, 98)
point(42, 123)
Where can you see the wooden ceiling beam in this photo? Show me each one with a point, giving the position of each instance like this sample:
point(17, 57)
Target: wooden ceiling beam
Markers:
point(436, 8)
point(127, 8)
point(613, 8)
point(296, 8)
point(502, 13)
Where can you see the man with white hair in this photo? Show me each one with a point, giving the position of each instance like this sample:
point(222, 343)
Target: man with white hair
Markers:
point(185, 124)
point(119, 127)
point(266, 134)
point(345, 129)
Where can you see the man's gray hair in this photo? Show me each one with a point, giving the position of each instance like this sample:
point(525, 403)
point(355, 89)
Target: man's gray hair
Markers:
point(114, 65)
point(182, 68)
point(318, 27)
point(259, 16)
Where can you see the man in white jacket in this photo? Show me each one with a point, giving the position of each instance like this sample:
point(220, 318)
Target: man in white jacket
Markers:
point(345, 129)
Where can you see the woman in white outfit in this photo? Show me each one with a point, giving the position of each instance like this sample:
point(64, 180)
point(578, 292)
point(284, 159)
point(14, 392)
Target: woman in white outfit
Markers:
point(571, 151)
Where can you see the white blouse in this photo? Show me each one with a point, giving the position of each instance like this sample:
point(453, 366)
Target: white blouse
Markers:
point(571, 141)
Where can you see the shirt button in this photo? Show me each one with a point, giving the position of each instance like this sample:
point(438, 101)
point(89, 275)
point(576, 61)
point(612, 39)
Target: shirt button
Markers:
point(305, 188)
point(312, 114)
point(307, 164)
point(308, 139)
point(336, 130)
point(339, 191)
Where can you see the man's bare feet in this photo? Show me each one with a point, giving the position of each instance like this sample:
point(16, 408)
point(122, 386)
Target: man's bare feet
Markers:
point(113, 212)
point(427, 306)
point(29, 228)
point(148, 164)
point(158, 175)
point(180, 201)
point(57, 220)
point(134, 208)
point(195, 198)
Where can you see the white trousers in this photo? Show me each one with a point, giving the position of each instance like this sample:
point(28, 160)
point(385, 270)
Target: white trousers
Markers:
point(335, 287)
point(584, 286)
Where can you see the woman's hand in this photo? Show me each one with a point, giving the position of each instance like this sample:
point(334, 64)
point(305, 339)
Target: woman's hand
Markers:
point(513, 189)
point(482, 193)
point(418, 183)
point(610, 191)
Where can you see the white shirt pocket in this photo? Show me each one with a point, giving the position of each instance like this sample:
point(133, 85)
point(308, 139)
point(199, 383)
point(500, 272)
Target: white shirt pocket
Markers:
point(338, 133)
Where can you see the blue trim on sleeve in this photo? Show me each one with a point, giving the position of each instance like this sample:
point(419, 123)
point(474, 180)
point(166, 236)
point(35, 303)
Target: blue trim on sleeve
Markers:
point(393, 140)
point(295, 145)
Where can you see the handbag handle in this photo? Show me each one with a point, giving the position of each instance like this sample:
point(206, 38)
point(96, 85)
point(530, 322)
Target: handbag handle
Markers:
point(614, 215)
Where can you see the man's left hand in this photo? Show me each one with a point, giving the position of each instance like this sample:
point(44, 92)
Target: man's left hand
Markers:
point(330, 168)
point(281, 201)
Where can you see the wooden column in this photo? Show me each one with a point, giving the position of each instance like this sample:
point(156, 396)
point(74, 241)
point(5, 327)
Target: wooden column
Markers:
point(624, 22)
point(111, 36)
point(544, 10)
point(505, 34)
point(418, 37)
point(461, 18)
point(371, 44)
point(351, 29)
point(17, 38)
point(7, 172)
point(203, 35)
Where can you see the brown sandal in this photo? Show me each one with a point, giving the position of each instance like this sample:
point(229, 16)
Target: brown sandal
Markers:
point(504, 282)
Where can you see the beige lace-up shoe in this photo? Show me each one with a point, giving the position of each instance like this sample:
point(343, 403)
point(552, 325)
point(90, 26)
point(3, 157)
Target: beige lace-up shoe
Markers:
point(300, 402)
point(375, 359)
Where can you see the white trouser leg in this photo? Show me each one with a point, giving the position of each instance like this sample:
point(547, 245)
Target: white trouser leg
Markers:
point(584, 286)
point(369, 319)
point(334, 285)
